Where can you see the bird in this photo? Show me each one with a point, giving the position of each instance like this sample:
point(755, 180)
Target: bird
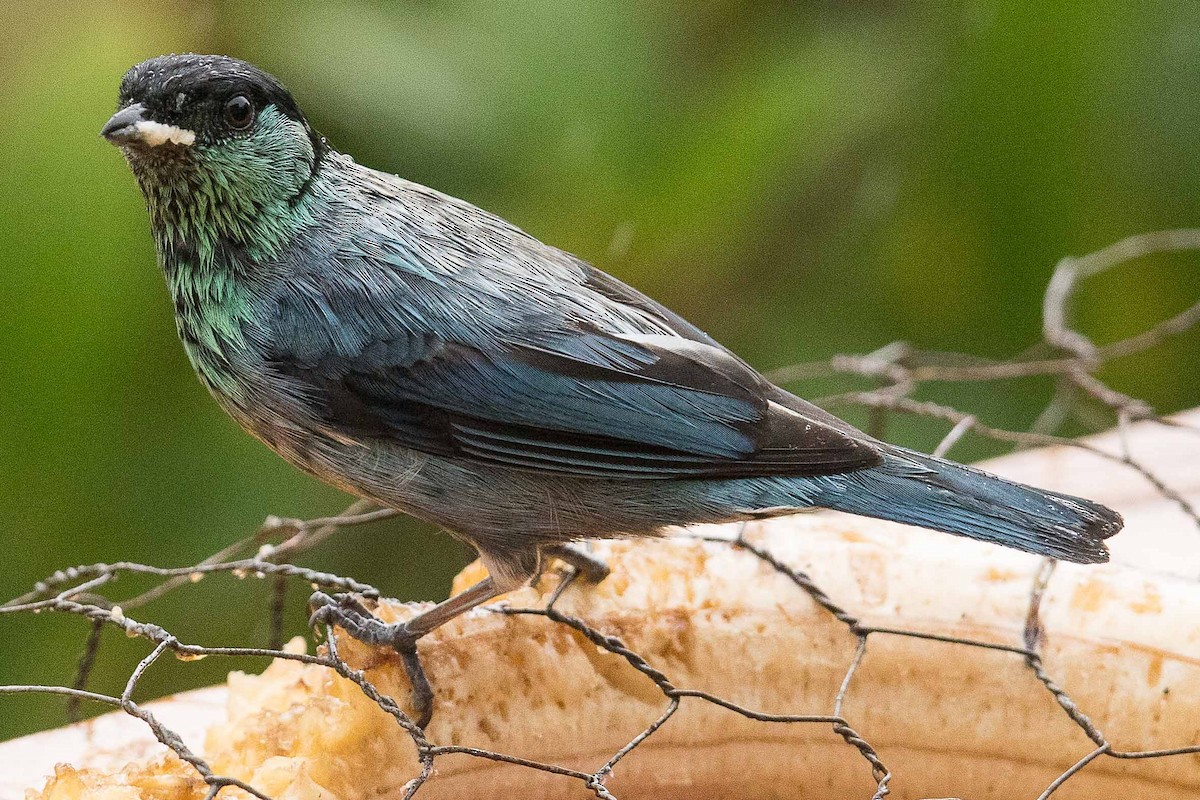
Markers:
point(414, 350)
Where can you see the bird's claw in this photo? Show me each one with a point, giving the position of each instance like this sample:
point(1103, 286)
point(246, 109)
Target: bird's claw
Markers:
point(320, 608)
point(348, 613)
point(592, 571)
point(587, 566)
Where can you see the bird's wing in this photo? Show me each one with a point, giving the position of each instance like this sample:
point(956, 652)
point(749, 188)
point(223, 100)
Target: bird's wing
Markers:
point(527, 358)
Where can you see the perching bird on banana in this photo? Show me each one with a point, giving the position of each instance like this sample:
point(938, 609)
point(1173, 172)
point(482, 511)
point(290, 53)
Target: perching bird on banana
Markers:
point(415, 350)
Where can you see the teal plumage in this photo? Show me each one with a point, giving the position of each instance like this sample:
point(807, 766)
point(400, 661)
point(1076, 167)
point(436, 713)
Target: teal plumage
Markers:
point(413, 349)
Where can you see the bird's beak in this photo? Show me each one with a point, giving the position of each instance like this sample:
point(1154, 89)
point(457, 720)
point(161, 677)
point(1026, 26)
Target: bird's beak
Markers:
point(131, 126)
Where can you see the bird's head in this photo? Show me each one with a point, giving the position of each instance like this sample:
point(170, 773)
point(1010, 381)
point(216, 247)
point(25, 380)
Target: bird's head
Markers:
point(219, 148)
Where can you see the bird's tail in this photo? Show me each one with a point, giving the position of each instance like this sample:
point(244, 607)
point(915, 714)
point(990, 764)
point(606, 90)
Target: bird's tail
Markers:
point(922, 490)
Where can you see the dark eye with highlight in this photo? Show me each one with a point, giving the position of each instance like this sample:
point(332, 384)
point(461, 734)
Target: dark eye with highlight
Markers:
point(239, 112)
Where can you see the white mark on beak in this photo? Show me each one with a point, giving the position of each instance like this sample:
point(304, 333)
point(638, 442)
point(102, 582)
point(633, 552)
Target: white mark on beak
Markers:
point(156, 133)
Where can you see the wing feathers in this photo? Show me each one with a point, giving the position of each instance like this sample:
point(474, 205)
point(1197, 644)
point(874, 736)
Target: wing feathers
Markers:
point(528, 358)
point(569, 418)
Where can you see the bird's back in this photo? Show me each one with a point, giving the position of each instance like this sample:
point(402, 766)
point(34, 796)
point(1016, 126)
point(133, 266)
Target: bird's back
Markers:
point(417, 298)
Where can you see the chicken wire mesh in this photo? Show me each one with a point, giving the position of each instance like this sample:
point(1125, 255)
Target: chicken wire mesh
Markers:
point(899, 371)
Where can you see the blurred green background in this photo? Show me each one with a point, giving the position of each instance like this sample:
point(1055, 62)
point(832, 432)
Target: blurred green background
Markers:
point(800, 179)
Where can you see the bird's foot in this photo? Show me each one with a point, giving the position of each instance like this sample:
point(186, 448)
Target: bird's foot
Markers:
point(589, 567)
point(348, 613)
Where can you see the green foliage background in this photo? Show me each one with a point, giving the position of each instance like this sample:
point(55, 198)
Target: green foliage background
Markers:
point(798, 178)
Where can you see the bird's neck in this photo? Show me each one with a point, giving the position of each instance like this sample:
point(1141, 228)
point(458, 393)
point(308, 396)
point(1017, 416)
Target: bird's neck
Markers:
point(213, 300)
point(199, 221)
point(223, 218)
point(217, 248)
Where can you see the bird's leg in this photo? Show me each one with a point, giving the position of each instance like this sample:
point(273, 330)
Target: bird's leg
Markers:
point(589, 567)
point(348, 613)
point(355, 619)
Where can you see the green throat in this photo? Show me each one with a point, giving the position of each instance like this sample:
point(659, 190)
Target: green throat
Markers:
point(220, 214)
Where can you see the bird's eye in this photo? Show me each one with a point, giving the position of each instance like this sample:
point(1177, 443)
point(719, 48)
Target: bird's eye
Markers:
point(239, 112)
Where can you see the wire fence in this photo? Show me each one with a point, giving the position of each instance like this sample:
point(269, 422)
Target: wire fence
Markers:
point(899, 371)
